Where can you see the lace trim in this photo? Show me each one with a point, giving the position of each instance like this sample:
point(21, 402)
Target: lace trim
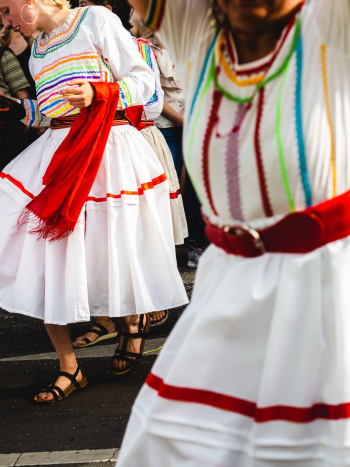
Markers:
point(44, 38)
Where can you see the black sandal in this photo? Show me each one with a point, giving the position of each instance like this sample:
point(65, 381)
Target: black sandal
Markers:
point(102, 332)
point(132, 359)
point(52, 388)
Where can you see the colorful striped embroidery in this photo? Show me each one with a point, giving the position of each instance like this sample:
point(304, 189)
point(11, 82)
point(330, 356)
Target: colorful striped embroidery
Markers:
point(126, 98)
point(329, 117)
point(299, 124)
point(55, 76)
point(33, 115)
point(148, 57)
point(61, 39)
point(155, 14)
point(224, 60)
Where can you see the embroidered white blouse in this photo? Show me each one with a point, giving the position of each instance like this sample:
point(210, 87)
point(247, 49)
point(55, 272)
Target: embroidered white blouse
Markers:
point(92, 45)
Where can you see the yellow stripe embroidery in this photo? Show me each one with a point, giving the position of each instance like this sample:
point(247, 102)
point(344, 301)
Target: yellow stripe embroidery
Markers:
point(329, 117)
point(229, 72)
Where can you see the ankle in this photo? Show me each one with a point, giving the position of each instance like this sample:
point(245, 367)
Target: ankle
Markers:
point(70, 367)
point(105, 321)
point(129, 323)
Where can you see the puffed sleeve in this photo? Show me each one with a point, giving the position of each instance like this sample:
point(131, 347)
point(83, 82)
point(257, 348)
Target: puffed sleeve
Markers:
point(135, 78)
point(332, 23)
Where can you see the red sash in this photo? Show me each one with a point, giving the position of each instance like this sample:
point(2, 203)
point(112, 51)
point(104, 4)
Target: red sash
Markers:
point(73, 168)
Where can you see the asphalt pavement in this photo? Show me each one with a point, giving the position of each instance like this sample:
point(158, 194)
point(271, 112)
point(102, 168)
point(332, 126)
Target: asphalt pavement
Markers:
point(87, 428)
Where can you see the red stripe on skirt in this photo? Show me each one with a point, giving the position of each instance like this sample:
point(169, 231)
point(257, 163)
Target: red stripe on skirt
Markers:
point(248, 408)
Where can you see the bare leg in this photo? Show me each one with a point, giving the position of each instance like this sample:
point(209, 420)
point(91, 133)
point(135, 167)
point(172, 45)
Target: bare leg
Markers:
point(61, 339)
point(106, 321)
point(129, 324)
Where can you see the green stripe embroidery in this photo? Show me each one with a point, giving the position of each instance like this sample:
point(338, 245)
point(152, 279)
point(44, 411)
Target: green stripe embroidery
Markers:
point(280, 144)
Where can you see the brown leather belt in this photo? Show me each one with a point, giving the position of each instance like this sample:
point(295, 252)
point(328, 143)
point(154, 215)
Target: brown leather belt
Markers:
point(66, 122)
point(298, 232)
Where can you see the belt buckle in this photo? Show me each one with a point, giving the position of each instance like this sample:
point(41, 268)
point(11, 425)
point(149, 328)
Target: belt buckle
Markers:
point(244, 229)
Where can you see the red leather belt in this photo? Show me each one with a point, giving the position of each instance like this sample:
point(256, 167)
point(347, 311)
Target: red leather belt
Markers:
point(298, 232)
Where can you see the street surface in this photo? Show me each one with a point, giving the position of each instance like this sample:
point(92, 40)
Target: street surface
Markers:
point(91, 422)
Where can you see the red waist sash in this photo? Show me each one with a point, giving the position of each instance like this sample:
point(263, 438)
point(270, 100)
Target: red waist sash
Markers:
point(298, 232)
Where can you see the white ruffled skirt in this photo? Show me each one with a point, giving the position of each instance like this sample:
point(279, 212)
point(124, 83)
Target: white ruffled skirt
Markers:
point(256, 372)
point(120, 260)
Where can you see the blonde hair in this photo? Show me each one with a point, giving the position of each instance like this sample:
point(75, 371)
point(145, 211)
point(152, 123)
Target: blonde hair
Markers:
point(62, 4)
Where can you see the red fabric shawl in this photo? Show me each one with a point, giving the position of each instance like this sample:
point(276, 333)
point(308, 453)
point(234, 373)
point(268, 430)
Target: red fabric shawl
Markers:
point(73, 168)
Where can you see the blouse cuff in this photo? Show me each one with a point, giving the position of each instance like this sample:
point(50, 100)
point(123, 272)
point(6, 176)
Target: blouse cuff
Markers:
point(33, 116)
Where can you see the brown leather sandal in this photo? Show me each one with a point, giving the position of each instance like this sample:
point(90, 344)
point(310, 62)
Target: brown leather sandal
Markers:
point(132, 359)
point(60, 394)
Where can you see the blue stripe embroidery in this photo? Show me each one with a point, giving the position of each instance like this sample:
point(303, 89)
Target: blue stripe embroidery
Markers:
point(204, 69)
point(299, 123)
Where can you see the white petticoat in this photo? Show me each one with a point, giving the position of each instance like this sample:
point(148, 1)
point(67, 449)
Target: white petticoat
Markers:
point(156, 140)
point(120, 260)
point(256, 372)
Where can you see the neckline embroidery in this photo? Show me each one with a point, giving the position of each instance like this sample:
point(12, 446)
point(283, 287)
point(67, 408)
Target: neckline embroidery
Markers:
point(46, 43)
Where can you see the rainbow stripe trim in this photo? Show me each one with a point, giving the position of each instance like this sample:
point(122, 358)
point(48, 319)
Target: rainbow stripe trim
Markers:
point(54, 77)
point(33, 115)
point(61, 39)
point(155, 14)
point(126, 98)
point(148, 57)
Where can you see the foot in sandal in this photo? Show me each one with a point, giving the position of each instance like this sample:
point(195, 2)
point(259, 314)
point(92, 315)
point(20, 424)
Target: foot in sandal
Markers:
point(132, 341)
point(65, 383)
point(102, 330)
point(158, 318)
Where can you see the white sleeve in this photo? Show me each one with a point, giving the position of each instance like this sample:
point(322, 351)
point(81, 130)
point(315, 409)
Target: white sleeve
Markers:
point(332, 20)
point(135, 78)
point(183, 26)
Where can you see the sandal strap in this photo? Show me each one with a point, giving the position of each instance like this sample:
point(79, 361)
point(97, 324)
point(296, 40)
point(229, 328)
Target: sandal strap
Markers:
point(86, 340)
point(72, 378)
point(101, 331)
point(122, 353)
point(50, 390)
point(135, 335)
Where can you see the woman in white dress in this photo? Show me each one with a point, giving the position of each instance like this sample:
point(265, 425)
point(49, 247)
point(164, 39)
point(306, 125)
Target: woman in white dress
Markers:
point(256, 372)
point(119, 257)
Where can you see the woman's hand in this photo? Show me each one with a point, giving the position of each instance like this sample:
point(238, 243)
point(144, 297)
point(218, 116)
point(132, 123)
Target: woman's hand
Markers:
point(8, 97)
point(79, 93)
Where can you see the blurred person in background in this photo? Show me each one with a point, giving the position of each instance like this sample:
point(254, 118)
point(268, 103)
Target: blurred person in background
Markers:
point(170, 123)
point(20, 46)
point(157, 142)
point(13, 83)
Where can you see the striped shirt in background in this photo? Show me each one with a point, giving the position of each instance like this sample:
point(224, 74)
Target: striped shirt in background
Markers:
point(12, 78)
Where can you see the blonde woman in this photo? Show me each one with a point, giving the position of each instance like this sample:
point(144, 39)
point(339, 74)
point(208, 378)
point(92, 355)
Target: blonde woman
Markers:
point(95, 237)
